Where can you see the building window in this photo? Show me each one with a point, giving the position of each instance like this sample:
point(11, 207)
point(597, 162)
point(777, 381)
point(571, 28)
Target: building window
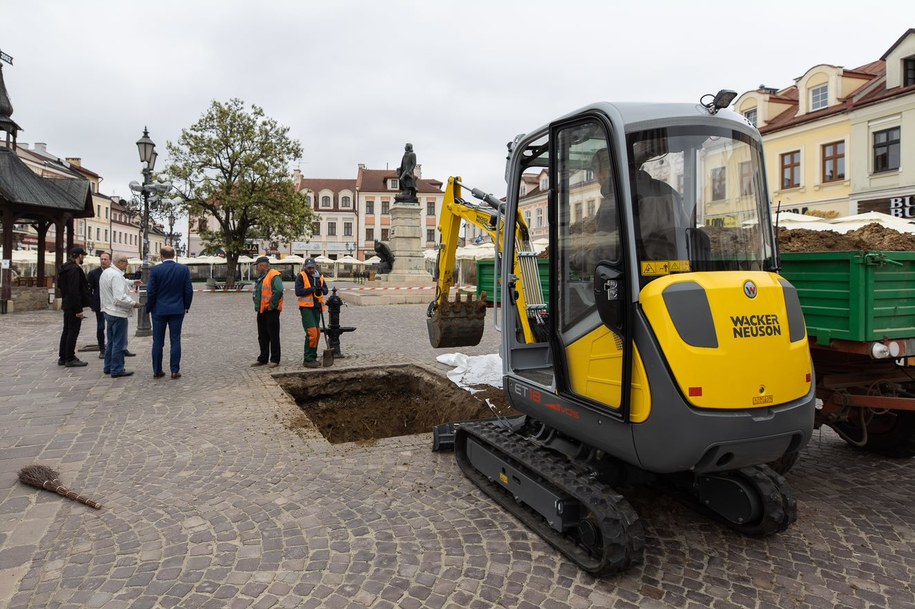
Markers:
point(394, 185)
point(746, 178)
point(316, 228)
point(539, 213)
point(791, 169)
point(345, 202)
point(385, 208)
point(819, 97)
point(430, 235)
point(311, 202)
point(578, 212)
point(908, 71)
point(545, 184)
point(719, 183)
point(325, 201)
point(430, 208)
point(98, 211)
point(834, 161)
point(106, 234)
point(370, 234)
point(370, 208)
point(527, 218)
point(106, 213)
point(886, 149)
point(750, 115)
point(384, 234)
point(347, 229)
point(98, 233)
point(331, 229)
point(590, 208)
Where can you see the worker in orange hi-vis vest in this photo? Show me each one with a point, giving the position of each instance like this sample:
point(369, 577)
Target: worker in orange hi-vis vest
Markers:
point(311, 290)
point(268, 302)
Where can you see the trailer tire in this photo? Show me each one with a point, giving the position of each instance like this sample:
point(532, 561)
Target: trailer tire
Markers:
point(891, 434)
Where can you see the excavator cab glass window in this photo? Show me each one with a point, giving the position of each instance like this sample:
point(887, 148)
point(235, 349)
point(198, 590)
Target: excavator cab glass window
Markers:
point(585, 181)
point(692, 209)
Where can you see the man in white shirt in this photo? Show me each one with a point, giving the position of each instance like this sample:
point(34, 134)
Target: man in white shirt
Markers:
point(116, 304)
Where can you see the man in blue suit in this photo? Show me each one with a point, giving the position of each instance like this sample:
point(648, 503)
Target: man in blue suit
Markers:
point(168, 298)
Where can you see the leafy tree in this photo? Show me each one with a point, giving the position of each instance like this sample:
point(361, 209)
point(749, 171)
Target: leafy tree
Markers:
point(233, 165)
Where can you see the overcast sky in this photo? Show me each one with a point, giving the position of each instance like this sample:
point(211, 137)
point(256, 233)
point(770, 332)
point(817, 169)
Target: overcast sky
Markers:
point(355, 80)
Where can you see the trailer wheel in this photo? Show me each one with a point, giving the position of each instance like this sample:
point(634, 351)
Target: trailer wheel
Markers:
point(890, 433)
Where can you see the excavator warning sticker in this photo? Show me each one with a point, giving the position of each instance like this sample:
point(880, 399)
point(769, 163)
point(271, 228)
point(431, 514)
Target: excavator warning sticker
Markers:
point(655, 268)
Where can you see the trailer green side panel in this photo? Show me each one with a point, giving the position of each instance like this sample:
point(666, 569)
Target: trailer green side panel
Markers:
point(856, 296)
point(485, 272)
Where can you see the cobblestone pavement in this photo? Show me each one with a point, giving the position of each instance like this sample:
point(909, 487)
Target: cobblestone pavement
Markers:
point(211, 499)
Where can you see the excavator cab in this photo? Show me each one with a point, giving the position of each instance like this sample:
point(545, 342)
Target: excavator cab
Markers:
point(670, 351)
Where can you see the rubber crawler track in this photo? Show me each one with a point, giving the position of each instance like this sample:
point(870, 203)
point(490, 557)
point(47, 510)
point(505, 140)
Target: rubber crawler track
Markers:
point(779, 506)
point(621, 532)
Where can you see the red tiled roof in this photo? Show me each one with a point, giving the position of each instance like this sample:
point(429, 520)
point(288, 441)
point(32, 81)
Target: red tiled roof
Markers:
point(319, 184)
point(373, 180)
point(871, 92)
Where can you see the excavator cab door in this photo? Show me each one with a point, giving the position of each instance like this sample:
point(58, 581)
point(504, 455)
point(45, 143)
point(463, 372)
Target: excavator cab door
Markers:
point(591, 342)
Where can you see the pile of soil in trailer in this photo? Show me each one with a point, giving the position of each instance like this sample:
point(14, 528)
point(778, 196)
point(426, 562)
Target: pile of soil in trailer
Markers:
point(366, 404)
point(872, 237)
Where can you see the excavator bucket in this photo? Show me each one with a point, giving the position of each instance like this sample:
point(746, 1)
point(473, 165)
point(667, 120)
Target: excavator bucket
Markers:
point(457, 323)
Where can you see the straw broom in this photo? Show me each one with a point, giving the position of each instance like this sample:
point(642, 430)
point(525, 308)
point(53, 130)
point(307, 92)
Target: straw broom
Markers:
point(43, 477)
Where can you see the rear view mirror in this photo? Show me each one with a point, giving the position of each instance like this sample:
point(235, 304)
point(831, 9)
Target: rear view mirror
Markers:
point(608, 295)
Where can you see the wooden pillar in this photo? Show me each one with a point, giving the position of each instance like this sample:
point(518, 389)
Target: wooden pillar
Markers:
point(42, 227)
point(69, 235)
point(8, 220)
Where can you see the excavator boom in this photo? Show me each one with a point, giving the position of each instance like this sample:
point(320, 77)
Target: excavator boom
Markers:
point(458, 323)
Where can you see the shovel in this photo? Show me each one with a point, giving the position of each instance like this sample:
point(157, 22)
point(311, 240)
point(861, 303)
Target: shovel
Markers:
point(328, 354)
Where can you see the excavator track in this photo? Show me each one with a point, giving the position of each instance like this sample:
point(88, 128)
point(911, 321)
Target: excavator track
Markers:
point(754, 500)
point(582, 517)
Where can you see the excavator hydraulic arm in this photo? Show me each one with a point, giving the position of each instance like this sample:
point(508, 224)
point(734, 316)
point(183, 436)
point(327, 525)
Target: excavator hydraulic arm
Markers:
point(458, 323)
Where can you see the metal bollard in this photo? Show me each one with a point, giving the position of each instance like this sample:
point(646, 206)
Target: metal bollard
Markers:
point(334, 329)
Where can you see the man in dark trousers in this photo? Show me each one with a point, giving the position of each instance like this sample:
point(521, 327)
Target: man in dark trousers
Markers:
point(93, 277)
point(74, 292)
point(268, 302)
point(310, 290)
point(168, 298)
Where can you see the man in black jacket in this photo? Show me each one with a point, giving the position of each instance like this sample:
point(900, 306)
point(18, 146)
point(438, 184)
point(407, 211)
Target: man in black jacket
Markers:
point(94, 275)
point(74, 292)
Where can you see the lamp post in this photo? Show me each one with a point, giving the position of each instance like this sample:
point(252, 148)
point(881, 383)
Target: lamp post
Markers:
point(151, 193)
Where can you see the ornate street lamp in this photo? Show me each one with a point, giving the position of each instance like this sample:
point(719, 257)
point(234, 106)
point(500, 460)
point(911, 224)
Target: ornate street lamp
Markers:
point(152, 193)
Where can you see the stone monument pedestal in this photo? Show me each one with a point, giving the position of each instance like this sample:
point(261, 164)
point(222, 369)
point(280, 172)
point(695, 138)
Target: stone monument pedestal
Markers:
point(406, 245)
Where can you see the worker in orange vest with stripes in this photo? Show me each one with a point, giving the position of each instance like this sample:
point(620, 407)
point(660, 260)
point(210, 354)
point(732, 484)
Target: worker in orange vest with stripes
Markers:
point(268, 302)
point(311, 290)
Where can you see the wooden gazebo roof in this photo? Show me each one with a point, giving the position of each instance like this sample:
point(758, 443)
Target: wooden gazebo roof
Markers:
point(31, 195)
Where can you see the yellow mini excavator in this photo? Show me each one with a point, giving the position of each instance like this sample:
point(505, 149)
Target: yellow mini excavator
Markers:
point(669, 352)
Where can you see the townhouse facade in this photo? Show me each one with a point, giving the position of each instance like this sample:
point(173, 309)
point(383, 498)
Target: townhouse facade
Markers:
point(375, 192)
point(841, 141)
point(352, 215)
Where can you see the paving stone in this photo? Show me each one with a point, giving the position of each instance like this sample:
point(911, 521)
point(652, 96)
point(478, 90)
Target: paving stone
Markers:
point(214, 497)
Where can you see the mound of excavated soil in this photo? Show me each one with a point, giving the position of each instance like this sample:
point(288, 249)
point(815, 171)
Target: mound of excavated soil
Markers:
point(873, 237)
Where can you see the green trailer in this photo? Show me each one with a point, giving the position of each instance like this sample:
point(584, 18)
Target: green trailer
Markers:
point(486, 268)
point(859, 308)
point(855, 296)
